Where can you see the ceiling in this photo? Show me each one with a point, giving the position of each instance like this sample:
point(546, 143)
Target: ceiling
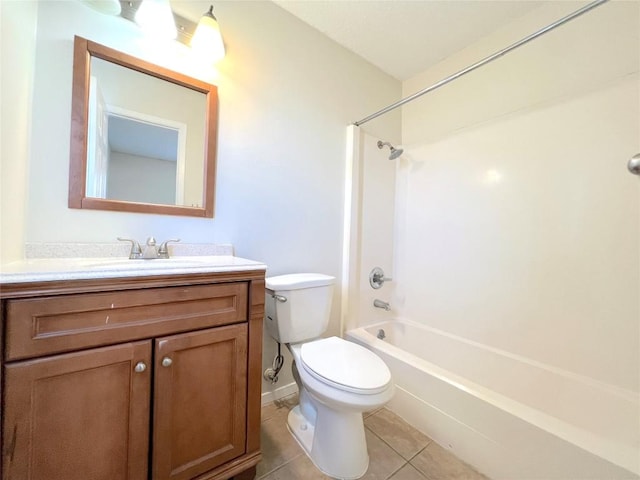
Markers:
point(137, 137)
point(406, 37)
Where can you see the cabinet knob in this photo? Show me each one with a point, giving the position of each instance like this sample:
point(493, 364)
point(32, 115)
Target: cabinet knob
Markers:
point(166, 362)
point(140, 367)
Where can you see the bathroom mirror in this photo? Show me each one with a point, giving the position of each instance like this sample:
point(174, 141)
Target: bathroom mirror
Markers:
point(143, 138)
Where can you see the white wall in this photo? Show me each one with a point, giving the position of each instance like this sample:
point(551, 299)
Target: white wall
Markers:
point(18, 43)
point(286, 94)
point(519, 225)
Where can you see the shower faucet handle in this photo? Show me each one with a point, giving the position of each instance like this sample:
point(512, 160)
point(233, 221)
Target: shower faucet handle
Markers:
point(377, 278)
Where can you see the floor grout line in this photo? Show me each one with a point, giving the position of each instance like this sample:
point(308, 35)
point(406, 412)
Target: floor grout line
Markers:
point(397, 470)
point(406, 463)
point(421, 450)
point(391, 447)
point(279, 466)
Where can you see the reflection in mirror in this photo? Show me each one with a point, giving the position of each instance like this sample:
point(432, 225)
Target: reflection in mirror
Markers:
point(116, 92)
point(140, 150)
point(148, 143)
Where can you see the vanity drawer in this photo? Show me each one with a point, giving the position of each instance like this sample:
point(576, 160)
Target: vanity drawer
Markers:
point(65, 323)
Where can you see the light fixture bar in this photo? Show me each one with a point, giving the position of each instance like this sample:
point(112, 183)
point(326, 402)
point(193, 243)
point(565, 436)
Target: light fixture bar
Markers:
point(185, 27)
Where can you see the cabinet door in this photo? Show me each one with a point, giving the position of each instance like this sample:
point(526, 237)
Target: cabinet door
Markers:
point(78, 416)
point(199, 401)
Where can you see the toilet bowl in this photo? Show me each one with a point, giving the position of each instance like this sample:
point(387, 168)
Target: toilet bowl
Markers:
point(337, 380)
point(328, 421)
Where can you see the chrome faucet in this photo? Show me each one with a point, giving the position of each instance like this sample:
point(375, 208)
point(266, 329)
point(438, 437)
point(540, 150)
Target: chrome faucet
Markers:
point(377, 278)
point(151, 251)
point(380, 304)
point(163, 250)
point(136, 251)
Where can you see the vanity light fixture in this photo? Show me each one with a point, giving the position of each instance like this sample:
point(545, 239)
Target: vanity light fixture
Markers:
point(204, 38)
point(207, 39)
point(156, 18)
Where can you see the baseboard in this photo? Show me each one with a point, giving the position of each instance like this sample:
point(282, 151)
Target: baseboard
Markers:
point(278, 393)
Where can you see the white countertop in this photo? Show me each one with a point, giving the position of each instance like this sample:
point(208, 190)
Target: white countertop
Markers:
point(51, 269)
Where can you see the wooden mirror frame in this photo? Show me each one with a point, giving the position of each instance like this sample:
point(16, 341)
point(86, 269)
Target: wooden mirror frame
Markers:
point(83, 50)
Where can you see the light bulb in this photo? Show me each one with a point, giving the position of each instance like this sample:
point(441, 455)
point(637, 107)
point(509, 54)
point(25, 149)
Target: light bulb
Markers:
point(207, 39)
point(156, 18)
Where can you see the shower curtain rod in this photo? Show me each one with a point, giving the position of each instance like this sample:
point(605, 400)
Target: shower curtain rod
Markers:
point(482, 62)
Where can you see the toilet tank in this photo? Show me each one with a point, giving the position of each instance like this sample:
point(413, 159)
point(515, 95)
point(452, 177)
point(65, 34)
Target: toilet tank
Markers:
point(297, 306)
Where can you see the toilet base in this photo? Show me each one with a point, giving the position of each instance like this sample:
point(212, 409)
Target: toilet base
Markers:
point(335, 443)
point(301, 430)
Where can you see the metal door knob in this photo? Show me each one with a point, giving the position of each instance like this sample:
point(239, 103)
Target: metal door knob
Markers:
point(140, 367)
point(166, 362)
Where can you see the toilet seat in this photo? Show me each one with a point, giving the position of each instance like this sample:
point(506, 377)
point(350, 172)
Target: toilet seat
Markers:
point(345, 365)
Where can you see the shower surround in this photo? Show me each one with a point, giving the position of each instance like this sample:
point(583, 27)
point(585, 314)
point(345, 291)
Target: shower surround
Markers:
point(512, 223)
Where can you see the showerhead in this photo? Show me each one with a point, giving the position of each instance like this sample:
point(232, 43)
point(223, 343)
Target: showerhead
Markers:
point(393, 151)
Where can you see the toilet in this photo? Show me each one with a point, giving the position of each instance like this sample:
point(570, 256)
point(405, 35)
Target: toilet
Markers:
point(337, 380)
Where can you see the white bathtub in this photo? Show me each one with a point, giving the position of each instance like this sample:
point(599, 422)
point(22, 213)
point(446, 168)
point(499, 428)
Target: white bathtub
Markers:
point(510, 417)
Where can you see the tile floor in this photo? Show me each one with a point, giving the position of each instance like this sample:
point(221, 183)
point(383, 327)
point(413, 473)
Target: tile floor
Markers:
point(397, 451)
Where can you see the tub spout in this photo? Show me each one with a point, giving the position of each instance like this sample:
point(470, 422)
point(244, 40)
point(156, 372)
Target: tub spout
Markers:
point(380, 304)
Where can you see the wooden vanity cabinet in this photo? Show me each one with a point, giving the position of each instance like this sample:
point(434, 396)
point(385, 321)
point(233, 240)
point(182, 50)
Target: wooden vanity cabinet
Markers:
point(199, 401)
point(82, 415)
point(144, 378)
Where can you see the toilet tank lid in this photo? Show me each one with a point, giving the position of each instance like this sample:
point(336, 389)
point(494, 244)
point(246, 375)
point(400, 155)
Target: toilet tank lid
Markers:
point(296, 281)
